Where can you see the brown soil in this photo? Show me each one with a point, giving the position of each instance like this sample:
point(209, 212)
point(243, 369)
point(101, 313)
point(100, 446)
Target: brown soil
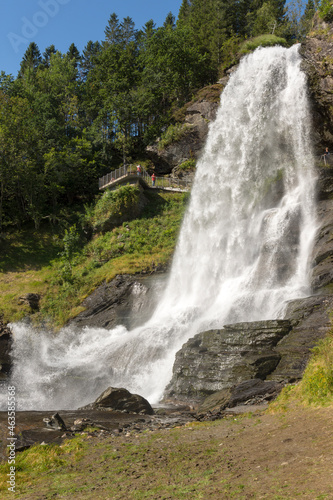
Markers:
point(259, 456)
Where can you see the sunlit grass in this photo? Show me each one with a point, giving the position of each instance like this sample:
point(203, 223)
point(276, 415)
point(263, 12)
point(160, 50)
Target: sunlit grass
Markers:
point(32, 262)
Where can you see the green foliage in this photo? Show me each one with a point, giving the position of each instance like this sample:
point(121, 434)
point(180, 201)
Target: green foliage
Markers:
point(316, 386)
point(326, 10)
point(173, 134)
point(230, 52)
point(68, 119)
point(261, 41)
point(70, 243)
point(317, 383)
point(187, 165)
point(114, 207)
point(134, 246)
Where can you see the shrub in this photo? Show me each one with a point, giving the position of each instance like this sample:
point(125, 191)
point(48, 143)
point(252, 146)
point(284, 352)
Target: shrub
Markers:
point(262, 41)
point(173, 134)
point(187, 165)
point(115, 207)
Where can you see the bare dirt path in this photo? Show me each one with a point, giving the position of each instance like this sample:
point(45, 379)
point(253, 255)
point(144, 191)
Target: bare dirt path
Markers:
point(259, 456)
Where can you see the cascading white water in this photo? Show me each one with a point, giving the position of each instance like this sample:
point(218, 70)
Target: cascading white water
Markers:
point(242, 252)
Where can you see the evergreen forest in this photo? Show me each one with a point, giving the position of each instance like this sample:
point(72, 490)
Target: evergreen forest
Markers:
point(68, 118)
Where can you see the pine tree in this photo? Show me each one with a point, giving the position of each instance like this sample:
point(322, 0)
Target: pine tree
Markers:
point(47, 55)
point(112, 30)
point(184, 13)
point(306, 19)
point(169, 21)
point(74, 54)
point(31, 60)
point(309, 10)
point(89, 56)
point(127, 31)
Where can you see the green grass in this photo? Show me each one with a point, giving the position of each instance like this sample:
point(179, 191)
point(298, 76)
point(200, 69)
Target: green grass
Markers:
point(36, 261)
point(316, 386)
point(261, 41)
point(74, 468)
point(173, 134)
point(29, 249)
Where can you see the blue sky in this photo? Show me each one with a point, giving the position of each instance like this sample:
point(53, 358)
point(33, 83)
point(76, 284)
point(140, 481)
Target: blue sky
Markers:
point(62, 22)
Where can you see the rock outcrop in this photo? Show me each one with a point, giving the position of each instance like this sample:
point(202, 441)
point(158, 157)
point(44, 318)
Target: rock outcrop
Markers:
point(322, 254)
point(5, 347)
point(121, 399)
point(317, 53)
point(126, 300)
point(197, 116)
point(218, 359)
point(250, 392)
point(277, 350)
point(31, 299)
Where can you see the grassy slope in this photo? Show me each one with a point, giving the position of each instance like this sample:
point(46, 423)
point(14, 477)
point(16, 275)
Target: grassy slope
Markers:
point(30, 261)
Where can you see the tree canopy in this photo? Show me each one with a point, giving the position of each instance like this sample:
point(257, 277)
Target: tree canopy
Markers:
point(67, 119)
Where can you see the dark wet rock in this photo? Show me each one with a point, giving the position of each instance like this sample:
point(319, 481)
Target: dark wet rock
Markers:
point(30, 425)
point(126, 300)
point(5, 348)
point(278, 351)
point(30, 437)
point(249, 392)
point(31, 299)
point(311, 322)
point(55, 422)
point(219, 359)
point(322, 254)
point(122, 400)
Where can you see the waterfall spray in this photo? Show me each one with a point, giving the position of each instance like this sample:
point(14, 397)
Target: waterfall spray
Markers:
point(242, 253)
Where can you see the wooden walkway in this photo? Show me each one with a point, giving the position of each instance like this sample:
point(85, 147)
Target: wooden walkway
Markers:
point(126, 174)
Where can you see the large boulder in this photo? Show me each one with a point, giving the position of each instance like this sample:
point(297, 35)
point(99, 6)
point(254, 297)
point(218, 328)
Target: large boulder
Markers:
point(322, 254)
point(121, 399)
point(218, 359)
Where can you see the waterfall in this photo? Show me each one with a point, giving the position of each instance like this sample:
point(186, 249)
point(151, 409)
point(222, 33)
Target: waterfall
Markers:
point(242, 253)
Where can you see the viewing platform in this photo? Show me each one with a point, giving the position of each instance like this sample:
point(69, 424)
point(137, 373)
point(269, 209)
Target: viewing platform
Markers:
point(128, 174)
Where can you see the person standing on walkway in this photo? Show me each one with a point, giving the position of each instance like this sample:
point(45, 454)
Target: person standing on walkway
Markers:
point(153, 178)
point(138, 170)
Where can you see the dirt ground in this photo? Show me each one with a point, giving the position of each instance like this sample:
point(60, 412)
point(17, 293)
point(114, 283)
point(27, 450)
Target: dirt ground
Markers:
point(288, 455)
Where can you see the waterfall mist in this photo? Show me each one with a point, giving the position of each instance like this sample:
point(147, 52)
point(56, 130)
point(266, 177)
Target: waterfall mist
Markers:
point(242, 252)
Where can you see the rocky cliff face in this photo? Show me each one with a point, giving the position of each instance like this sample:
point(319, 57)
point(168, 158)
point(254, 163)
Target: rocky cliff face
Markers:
point(322, 255)
point(317, 53)
point(197, 116)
